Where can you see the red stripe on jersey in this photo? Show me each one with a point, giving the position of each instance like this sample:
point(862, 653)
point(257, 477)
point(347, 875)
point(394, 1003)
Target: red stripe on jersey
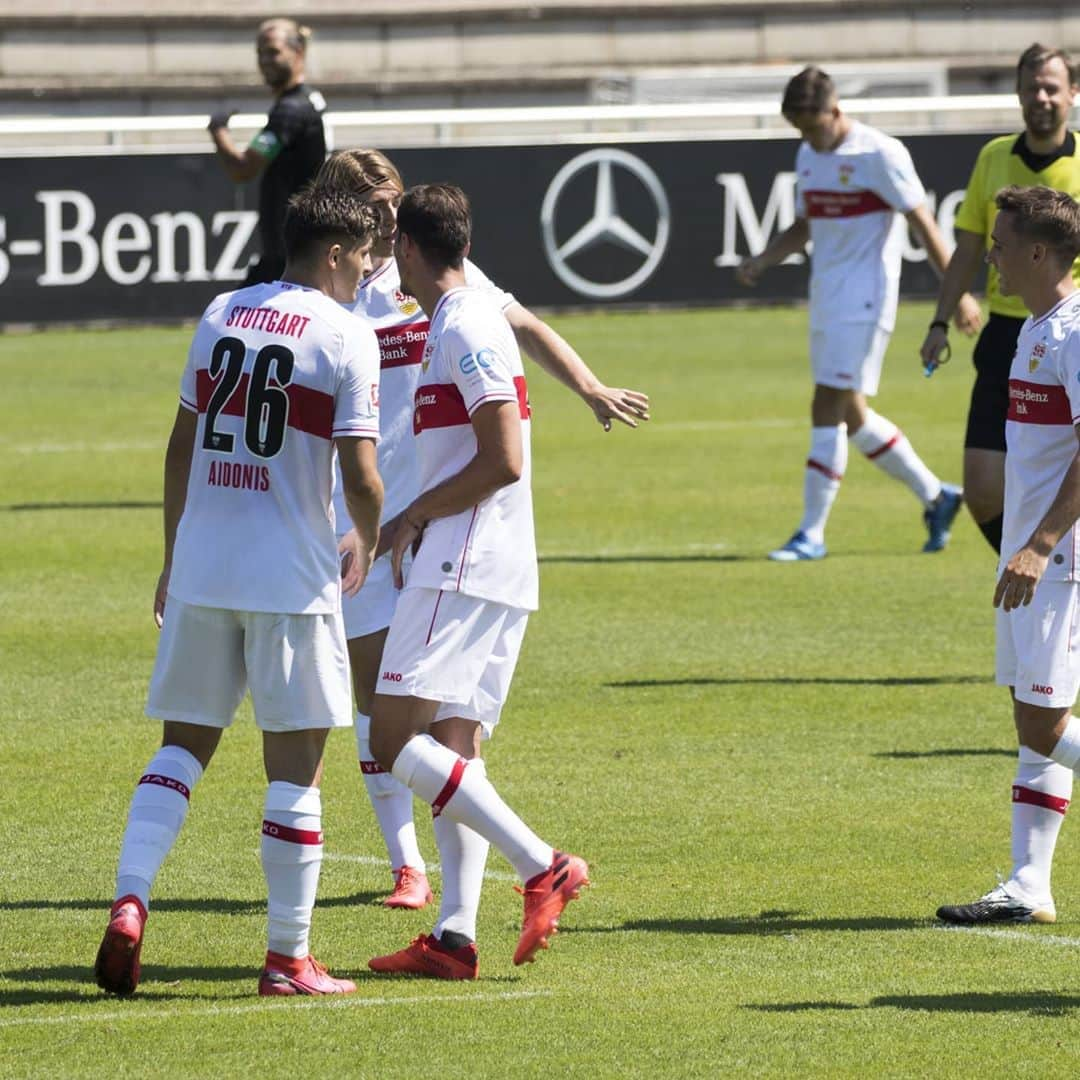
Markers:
point(843, 204)
point(449, 788)
point(1037, 403)
point(823, 469)
point(310, 411)
point(885, 446)
point(1039, 798)
point(166, 782)
point(402, 346)
point(440, 405)
point(290, 835)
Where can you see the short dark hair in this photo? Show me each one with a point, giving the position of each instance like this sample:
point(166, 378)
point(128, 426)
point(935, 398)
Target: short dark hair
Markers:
point(809, 91)
point(1036, 56)
point(322, 216)
point(1044, 215)
point(436, 217)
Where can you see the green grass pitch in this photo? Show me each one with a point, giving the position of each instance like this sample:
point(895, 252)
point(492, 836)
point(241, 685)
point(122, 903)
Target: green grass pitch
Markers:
point(777, 772)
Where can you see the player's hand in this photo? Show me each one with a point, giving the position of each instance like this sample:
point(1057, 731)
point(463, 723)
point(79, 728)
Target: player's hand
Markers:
point(160, 594)
point(220, 119)
point(1017, 584)
point(935, 349)
point(407, 535)
point(968, 317)
point(356, 560)
point(626, 406)
point(749, 271)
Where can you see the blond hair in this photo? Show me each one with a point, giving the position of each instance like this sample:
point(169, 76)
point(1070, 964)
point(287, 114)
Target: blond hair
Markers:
point(296, 36)
point(359, 172)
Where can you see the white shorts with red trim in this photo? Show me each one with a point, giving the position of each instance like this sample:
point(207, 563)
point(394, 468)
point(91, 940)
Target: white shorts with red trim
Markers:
point(372, 608)
point(1038, 646)
point(296, 667)
point(848, 356)
point(455, 649)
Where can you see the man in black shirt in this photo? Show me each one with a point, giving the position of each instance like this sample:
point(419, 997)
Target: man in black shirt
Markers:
point(288, 152)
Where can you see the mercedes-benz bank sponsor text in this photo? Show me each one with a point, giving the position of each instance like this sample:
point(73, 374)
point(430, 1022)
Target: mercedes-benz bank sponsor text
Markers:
point(155, 236)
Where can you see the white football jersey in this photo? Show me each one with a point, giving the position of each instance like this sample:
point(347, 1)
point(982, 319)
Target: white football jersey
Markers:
point(1040, 431)
point(850, 196)
point(275, 373)
point(471, 358)
point(401, 328)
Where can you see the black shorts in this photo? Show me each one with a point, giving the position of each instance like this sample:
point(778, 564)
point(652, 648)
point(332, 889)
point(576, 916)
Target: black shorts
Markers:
point(990, 395)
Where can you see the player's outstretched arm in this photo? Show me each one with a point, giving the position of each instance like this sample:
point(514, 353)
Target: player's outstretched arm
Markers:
point(363, 490)
point(790, 242)
point(1025, 569)
point(178, 457)
point(498, 462)
point(560, 360)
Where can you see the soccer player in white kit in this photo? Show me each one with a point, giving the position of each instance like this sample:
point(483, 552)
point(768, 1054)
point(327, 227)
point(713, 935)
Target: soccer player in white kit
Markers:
point(279, 377)
point(856, 187)
point(1035, 239)
point(457, 630)
point(401, 326)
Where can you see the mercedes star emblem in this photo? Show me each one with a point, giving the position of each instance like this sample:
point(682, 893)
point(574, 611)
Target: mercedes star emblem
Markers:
point(605, 226)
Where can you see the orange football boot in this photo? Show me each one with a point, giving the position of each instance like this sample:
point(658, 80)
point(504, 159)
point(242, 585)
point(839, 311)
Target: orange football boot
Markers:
point(546, 895)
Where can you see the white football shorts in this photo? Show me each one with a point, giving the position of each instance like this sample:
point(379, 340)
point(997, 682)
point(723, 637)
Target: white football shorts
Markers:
point(1038, 646)
point(296, 667)
point(454, 649)
point(372, 608)
point(849, 356)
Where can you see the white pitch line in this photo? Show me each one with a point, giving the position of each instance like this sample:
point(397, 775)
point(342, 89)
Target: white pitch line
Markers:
point(170, 1012)
point(433, 868)
point(1014, 935)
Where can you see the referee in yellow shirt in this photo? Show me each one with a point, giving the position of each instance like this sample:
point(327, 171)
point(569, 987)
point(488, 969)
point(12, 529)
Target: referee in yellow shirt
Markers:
point(1046, 152)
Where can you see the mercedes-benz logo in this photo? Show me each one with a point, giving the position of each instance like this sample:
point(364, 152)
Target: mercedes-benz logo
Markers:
point(605, 225)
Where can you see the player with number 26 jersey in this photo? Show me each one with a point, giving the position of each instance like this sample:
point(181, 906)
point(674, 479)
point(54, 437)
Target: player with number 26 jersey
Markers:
point(275, 372)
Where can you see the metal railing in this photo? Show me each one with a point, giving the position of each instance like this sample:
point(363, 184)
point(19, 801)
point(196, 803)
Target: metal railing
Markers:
point(26, 136)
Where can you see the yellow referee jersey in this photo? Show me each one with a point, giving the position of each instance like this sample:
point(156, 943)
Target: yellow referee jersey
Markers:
point(1005, 161)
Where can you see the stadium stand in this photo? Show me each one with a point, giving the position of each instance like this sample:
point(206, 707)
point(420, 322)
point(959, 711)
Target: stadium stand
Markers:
point(87, 57)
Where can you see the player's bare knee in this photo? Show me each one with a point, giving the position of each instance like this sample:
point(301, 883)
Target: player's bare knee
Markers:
point(1039, 728)
point(391, 727)
point(460, 735)
point(829, 406)
point(198, 740)
point(295, 757)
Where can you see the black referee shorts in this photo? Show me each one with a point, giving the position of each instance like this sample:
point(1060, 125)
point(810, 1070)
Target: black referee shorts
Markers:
point(990, 395)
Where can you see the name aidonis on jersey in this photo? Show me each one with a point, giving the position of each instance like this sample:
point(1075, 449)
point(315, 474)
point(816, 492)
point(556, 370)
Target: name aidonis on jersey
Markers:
point(233, 475)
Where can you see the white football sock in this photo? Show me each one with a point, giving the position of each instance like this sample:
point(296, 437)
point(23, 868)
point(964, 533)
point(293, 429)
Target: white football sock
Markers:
point(824, 470)
point(157, 811)
point(1041, 794)
point(462, 856)
point(464, 794)
point(1067, 750)
point(292, 850)
point(392, 802)
point(887, 447)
